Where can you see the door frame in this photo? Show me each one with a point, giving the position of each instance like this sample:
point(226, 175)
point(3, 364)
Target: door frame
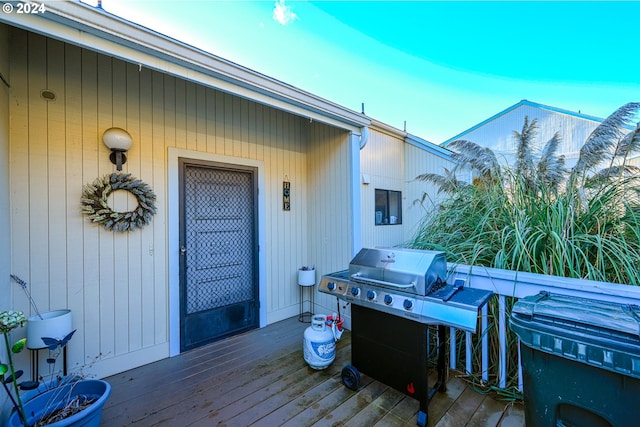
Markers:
point(173, 238)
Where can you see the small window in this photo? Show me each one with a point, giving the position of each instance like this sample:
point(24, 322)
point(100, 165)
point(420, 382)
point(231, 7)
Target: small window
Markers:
point(388, 207)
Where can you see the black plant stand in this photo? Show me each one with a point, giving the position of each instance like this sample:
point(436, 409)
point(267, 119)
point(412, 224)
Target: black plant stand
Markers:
point(35, 362)
point(303, 316)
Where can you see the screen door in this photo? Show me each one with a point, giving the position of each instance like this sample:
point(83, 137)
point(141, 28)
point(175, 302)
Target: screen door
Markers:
point(218, 252)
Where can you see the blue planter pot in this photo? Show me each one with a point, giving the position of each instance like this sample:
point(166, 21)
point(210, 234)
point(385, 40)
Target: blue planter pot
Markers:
point(55, 399)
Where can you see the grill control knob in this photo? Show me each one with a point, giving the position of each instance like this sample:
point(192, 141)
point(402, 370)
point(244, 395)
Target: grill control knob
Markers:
point(371, 295)
point(355, 291)
point(408, 304)
point(331, 286)
point(388, 299)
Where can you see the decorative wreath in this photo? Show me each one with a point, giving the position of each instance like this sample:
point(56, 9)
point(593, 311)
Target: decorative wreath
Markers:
point(95, 206)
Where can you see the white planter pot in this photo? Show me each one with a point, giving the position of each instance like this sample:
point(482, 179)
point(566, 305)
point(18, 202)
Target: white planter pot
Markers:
point(54, 324)
point(306, 277)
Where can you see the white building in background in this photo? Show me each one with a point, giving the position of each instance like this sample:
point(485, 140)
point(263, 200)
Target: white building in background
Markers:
point(496, 132)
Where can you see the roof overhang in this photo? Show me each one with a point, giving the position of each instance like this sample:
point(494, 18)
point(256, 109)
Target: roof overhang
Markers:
point(94, 29)
point(430, 147)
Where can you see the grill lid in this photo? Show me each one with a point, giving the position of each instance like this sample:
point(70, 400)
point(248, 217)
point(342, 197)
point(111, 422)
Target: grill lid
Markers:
point(408, 270)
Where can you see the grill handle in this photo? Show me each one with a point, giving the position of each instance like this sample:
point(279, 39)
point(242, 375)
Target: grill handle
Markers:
point(358, 278)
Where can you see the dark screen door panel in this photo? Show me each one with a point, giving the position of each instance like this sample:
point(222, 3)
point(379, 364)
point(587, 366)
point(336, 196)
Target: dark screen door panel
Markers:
point(219, 295)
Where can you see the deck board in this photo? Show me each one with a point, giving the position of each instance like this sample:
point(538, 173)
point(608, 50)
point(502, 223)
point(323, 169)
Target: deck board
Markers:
point(488, 414)
point(260, 378)
point(462, 409)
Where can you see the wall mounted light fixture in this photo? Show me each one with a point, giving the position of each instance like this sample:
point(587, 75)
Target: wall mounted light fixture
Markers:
point(118, 141)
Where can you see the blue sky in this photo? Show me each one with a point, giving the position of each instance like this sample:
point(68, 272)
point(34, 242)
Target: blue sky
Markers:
point(441, 67)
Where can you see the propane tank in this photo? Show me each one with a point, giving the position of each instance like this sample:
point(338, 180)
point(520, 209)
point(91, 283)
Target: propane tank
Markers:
point(319, 344)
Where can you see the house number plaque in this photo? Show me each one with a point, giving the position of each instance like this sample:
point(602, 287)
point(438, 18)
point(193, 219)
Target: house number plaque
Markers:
point(286, 195)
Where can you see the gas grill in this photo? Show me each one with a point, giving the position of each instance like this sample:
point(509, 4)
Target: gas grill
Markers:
point(395, 294)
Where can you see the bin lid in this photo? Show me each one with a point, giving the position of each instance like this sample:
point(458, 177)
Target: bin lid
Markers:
point(601, 334)
point(599, 315)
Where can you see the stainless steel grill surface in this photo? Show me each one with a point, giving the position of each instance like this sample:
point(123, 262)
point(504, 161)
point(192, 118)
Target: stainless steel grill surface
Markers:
point(404, 270)
point(409, 283)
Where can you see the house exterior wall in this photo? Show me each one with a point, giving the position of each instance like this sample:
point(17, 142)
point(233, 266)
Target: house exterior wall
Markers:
point(329, 217)
point(5, 223)
point(421, 197)
point(382, 162)
point(392, 162)
point(117, 285)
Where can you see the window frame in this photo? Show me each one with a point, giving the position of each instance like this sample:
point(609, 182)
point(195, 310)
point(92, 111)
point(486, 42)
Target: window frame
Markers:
point(387, 208)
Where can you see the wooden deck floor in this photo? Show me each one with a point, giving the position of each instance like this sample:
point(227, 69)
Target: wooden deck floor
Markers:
point(260, 378)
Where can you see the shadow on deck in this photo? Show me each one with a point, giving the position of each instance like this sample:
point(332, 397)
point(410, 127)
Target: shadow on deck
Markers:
point(260, 378)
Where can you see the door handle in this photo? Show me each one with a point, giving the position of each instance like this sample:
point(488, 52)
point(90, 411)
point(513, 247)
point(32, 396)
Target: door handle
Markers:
point(183, 250)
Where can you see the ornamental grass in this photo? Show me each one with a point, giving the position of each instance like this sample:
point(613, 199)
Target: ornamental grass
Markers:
point(539, 216)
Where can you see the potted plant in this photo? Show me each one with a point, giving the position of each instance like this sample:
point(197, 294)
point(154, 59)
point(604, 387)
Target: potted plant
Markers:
point(72, 401)
point(56, 324)
point(306, 276)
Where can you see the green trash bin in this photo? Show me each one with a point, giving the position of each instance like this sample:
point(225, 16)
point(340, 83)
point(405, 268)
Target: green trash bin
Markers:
point(580, 361)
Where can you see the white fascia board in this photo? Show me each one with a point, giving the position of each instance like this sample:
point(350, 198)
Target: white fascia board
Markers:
point(97, 30)
point(388, 129)
point(430, 147)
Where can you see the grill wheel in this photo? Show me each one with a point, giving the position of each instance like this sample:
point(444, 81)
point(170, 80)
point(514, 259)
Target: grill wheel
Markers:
point(351, 377)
